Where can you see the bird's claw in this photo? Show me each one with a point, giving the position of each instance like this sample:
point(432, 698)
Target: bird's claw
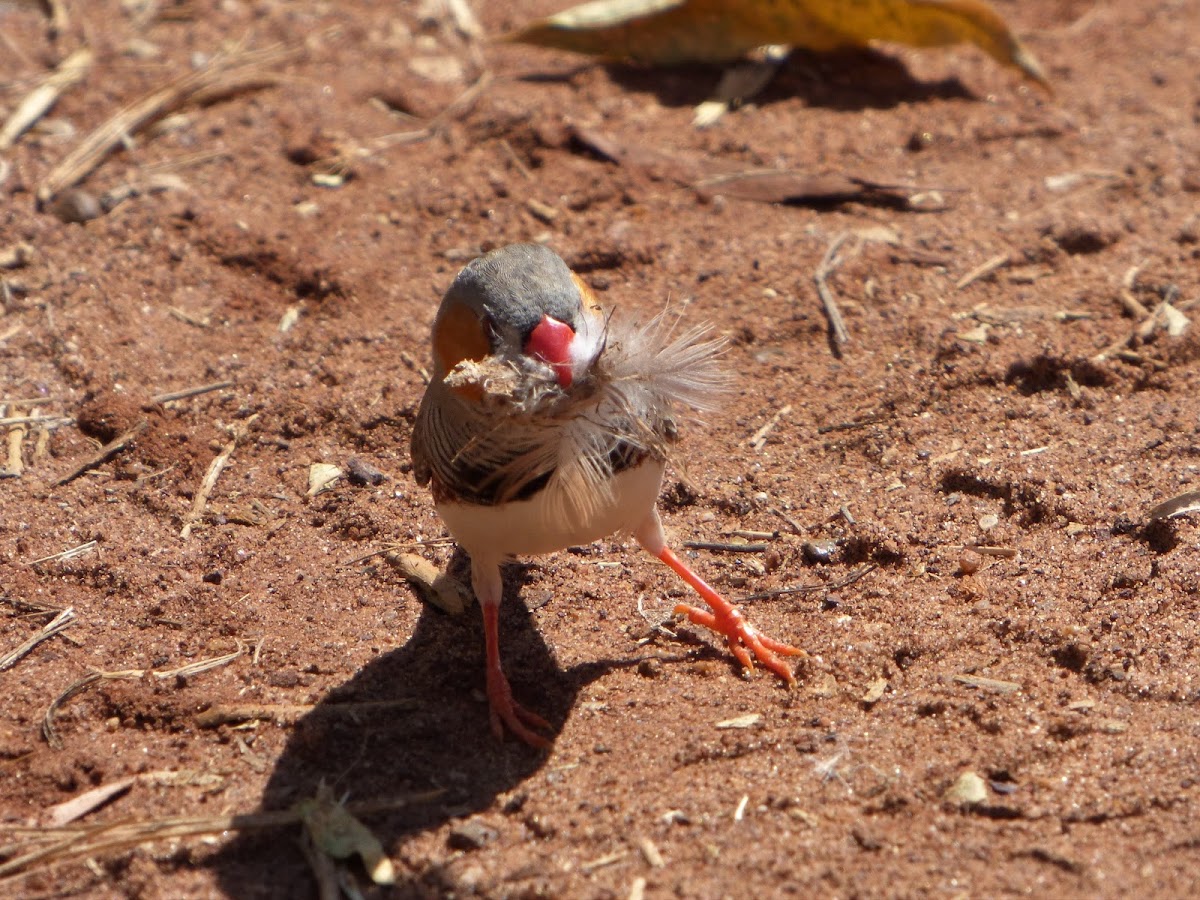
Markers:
point(503, 711)
point(744, 638)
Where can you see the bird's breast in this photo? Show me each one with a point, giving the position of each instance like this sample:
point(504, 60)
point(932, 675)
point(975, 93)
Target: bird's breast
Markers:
point(543, 522)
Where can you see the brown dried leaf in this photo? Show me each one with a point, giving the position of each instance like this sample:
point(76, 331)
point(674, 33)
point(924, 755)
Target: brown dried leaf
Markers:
point(439, 588)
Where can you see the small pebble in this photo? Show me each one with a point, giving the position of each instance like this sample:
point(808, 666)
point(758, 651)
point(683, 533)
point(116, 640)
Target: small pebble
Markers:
point(470, 835)
point(362, 472)
point(968, 790)
point(649, 668)
point(969, 562)
point(818, 551)
point(76, 205)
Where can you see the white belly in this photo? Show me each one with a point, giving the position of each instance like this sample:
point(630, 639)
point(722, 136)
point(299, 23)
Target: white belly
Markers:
point(534, 526)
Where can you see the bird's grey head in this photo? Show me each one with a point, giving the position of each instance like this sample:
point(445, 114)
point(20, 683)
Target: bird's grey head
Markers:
point(515, 287)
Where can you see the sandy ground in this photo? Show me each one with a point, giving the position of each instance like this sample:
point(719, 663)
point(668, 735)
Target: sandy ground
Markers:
point(956, 500)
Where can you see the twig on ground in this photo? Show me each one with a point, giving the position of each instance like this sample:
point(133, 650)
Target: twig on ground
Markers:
point(323, 868)
point(812, 588)
point(192, 392)
point(225, 75)
point(871, 419)
point(210, 479)
point(792, 524)
point(759, 438)
point(829, 262)
point(983, 270)
point(31, 609)
point(41, 98)
point(63, 620)
point(103, 453)
point(407, 359)
point(516, 160)
point(1132, 304)
point(40, 421)
point(719, 547)
point(29, 401)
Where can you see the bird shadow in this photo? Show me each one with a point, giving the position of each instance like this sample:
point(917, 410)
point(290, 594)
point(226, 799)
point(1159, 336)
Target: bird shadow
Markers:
point(441, 743)
point(851, 80)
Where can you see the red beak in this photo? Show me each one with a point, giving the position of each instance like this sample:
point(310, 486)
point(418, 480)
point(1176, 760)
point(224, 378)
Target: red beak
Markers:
point(551, 343)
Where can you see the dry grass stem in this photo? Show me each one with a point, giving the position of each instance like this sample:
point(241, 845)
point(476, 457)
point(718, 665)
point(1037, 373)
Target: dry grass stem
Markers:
point(113, 446)
point(998, 552)
point(28, 401)
point(792, 524)
point(204, 665)
point(324, 869)
point(41, 421)
point(1132, 304)
point(41, 98)
point(60, 20)
point(872, 419)
point(829, 263)
point(192, 392)
point(984, 269)
point(759, 438)
point(813, 588)
point(407, 359)
point(607, 860)
point(721, 547)
point(72, 842)
point(63, 620)
point(286, 713)
point(70, 553)
point(225, 75)
point(210, 479)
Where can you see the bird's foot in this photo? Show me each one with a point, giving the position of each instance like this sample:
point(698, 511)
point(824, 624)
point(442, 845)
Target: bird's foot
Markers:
point(503, 711)
point(727, 619)
point(744, 639)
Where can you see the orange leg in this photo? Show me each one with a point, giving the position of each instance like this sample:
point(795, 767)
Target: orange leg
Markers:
point(502, 709)
point(725, 618)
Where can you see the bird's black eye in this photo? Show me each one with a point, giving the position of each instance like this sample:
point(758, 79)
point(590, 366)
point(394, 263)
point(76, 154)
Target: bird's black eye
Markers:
point(492, 332)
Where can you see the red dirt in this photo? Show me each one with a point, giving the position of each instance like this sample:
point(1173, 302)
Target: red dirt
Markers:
point(983, 415)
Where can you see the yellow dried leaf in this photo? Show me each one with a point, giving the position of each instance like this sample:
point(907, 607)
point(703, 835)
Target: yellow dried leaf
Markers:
point(338, 834)
point(668, 32)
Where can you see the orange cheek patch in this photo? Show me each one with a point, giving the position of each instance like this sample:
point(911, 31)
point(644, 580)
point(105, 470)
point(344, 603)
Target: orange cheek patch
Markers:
point(589, 299)
point(459, 334)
